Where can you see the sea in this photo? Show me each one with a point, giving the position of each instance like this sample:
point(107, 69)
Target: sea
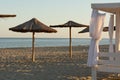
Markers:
point(46, 42)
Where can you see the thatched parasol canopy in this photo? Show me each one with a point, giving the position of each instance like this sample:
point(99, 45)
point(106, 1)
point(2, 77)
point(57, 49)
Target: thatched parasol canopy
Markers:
point(70, 24)
point(87, 29)
point(33, 25)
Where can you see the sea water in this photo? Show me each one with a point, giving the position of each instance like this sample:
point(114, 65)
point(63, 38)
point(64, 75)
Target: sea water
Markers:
point(45, 42)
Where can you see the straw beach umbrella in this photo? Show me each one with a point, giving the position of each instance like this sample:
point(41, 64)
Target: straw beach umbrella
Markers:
point(33, 26)
point(105, 29)
point(70, 24)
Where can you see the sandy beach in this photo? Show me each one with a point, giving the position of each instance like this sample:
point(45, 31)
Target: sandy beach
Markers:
point(52, 63)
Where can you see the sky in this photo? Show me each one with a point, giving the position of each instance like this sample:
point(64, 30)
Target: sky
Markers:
point(50, 12)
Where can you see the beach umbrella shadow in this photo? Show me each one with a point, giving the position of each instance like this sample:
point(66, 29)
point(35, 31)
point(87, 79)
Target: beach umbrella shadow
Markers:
point(69, 25)
point(33, 26)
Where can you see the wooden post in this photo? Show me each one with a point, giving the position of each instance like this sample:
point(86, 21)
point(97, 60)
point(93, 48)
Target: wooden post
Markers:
point(94, 73)
point(70, 44)
point(33, 51)
point(117, 36)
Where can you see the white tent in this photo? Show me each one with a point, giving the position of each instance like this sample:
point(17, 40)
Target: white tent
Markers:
point(115, 9)
point(112, 66)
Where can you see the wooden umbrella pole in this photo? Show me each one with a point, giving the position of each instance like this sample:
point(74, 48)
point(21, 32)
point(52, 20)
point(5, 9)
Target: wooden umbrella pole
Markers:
point(70, 44)
point(33, 50)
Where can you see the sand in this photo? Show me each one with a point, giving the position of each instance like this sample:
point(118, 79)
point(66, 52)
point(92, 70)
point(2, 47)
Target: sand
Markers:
point(52, 63)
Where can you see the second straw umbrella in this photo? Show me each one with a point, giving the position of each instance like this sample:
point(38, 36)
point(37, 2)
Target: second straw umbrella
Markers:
point(70, 24)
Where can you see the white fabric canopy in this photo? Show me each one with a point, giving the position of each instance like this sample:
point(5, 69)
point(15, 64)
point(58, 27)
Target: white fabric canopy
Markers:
point(111, 29)
point(108, 7)
point(96, 27)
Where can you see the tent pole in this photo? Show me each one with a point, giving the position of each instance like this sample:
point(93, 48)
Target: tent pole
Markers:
point(117, 42)
point(33, 50)
point(70, 44)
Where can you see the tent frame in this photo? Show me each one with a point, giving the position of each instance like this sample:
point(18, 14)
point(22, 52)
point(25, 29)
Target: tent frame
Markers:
point(113, 8)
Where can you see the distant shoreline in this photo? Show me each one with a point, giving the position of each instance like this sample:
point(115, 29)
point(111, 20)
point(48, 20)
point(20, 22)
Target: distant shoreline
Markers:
point(45, 42)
